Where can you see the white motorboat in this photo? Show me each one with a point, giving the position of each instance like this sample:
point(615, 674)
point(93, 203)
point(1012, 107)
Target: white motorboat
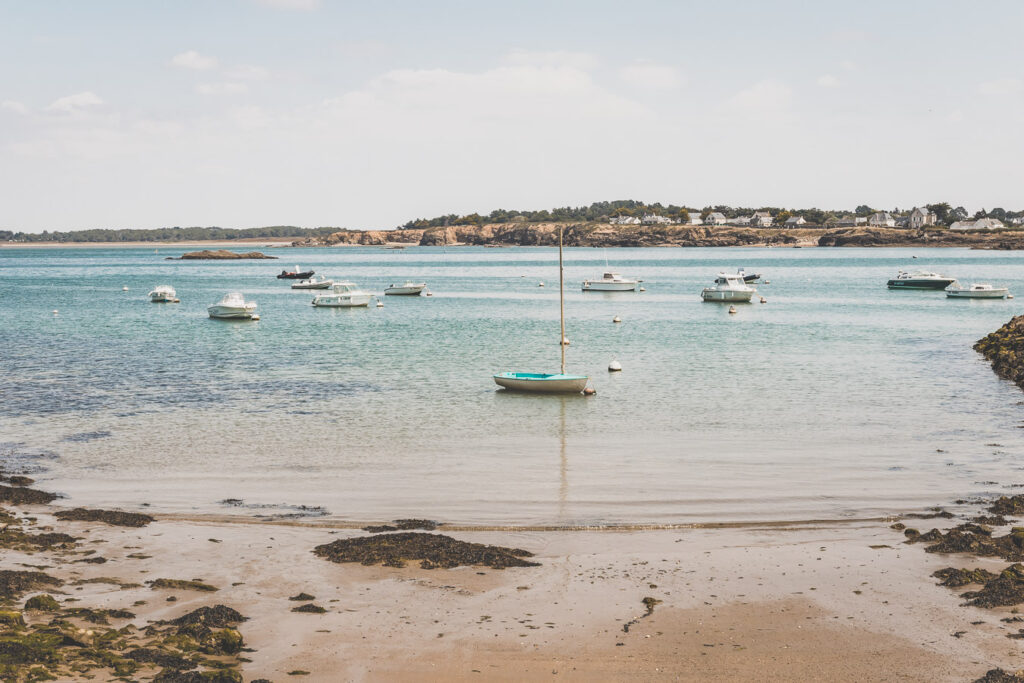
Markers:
point(610, 282)
point(976, 291)
point(343, 295)
point(728, 288)
point(164, 294)
point(316, 282)
point(233, 306)
point(408, 289)
point(919, 279)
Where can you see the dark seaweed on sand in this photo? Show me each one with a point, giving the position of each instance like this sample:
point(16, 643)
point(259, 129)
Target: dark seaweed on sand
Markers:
point(403, 525)
point(13, 582)
point(19, 495)
point(1004, 590)
point(954, 578)
point(433, 551)
point(113, 517)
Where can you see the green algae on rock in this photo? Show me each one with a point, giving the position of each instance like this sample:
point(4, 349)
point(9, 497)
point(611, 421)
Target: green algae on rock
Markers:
point(302, 597)
point(1004, 590)
point(309, 608)
point(43, 603)
point(13, 582)
point(18, 495)
point(955, 578)
point(433, 551)
point(113, 517)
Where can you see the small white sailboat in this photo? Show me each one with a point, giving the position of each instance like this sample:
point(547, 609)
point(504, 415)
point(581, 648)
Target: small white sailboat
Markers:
point(728, 288)
point(976, 291)
point(610, 282)
point(547, 383)
point(343, 295)
point(164, 294)
point(233, 306)
point(408, 289)
point(315, 282)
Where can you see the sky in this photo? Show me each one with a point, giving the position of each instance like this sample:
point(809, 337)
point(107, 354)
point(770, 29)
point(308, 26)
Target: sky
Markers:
point(245, 113)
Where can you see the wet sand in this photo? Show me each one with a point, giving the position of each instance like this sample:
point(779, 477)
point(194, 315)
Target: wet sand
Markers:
point(841, 602)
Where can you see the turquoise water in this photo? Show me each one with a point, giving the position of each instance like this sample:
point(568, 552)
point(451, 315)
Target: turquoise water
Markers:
point(836, 399)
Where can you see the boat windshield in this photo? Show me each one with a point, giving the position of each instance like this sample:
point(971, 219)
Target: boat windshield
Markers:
point(233, 299)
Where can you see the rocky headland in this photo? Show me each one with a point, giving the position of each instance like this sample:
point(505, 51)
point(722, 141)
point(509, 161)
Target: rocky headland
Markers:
point(220, 255)
point(595, 234)
point(1004, 348)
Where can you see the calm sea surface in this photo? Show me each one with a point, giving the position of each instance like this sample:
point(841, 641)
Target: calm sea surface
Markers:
point(836, 399)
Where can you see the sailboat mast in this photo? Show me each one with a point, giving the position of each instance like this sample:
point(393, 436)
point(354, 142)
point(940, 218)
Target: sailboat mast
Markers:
point(561, 298)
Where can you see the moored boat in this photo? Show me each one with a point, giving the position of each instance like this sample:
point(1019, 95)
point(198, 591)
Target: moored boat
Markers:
point(343, 295)
point(408, 289)
point(313, 283)
point(976, 291)
point(295, 274)
point(164, 294)
point(748, 277)
point(919, 279)
point(233, 306)
point(729, 288)
point(610, 282)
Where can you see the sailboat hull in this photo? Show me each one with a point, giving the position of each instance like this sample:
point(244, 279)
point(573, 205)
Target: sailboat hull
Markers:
point(541, 383)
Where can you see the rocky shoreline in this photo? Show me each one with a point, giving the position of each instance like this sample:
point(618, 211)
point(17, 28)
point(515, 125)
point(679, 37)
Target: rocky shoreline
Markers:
point(1004, 348)
point(219, 255)
point(605, 235)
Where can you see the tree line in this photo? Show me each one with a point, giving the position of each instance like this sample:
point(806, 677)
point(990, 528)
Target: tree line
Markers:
point(165, 234)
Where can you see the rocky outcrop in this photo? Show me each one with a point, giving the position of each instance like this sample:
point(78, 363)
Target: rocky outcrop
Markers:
point(1004, 348)
point(222, 255)
point(897, 237)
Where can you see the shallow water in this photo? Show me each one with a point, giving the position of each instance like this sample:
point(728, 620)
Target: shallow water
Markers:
point(836, 399)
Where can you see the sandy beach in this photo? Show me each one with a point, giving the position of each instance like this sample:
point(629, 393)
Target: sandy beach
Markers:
point(839, 602)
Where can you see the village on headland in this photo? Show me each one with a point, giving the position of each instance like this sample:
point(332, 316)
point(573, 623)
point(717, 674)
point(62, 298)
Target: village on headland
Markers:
point(623, 223)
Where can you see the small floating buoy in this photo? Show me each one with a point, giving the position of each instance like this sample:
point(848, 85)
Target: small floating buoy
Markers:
point(380, 304)
point(642, 289)
point(589, 391)
point(616, 319)
point(763, 300)
point(55, 311)
point(255, 317)
point(767, 282)
point(1009, 296)
point(732, 310)
point(427, 292)
point(124, 289)
point(565, 341)
point(540, 284)
point(615, 366)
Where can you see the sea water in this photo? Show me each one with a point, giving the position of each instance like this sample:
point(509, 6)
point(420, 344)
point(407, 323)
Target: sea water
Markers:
point(835, 399)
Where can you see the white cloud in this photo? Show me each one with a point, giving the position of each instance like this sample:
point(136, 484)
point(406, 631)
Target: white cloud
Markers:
point(1002, 86)
point(75, 103)
point(193, 60)
point(828, 81)
point(304, 5)
point(764, 95)
point(560, 58)
point(650, 75)
point(16, 107)
point(849, 65)
point(222, 88)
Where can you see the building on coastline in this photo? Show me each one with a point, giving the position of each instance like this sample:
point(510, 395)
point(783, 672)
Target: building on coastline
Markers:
point(795, 221)
point(624, 220)
point(852, 221)
point(761, 219)
point(694, 218)
point(655, 219)
point(740, 220)
point(920, 217)
point(979, 224)
point(716, 218)
point(882, 219)
point(1017, 220)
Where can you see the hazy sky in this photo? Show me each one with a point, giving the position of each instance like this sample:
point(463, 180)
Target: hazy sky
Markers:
point(242, 113)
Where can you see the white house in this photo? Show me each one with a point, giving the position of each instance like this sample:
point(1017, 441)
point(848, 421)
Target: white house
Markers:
point(882, 220)
point(852, 221)
point(920, 217)
point(1019, 220)
point(761, 219)
point(740, 220)
point(980, 224)
point(694, 218)
point(624, 220)
point(654, 219)
point(794, 221)
point(716, 218)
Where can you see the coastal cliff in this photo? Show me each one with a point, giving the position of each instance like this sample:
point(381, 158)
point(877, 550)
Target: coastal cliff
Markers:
point(599, 234)
point(1004, 348)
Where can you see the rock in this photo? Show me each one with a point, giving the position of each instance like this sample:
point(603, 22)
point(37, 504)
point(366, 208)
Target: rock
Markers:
point(309, 608)
point(223, 255)
point(955, 578)
point(217, 616)
point(1004, 590)
point(433, 551)
point(181, 584)
point(1004, 349)
point(302, 597)
point(17, 495)
point(13, 582)
point(43, 603)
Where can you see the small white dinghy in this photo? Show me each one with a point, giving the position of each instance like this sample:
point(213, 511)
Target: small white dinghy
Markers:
point(976, 291)
point(233, 306)
point(164, 294)
point(316, 282)
point(408, 289)
point(343, 295)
